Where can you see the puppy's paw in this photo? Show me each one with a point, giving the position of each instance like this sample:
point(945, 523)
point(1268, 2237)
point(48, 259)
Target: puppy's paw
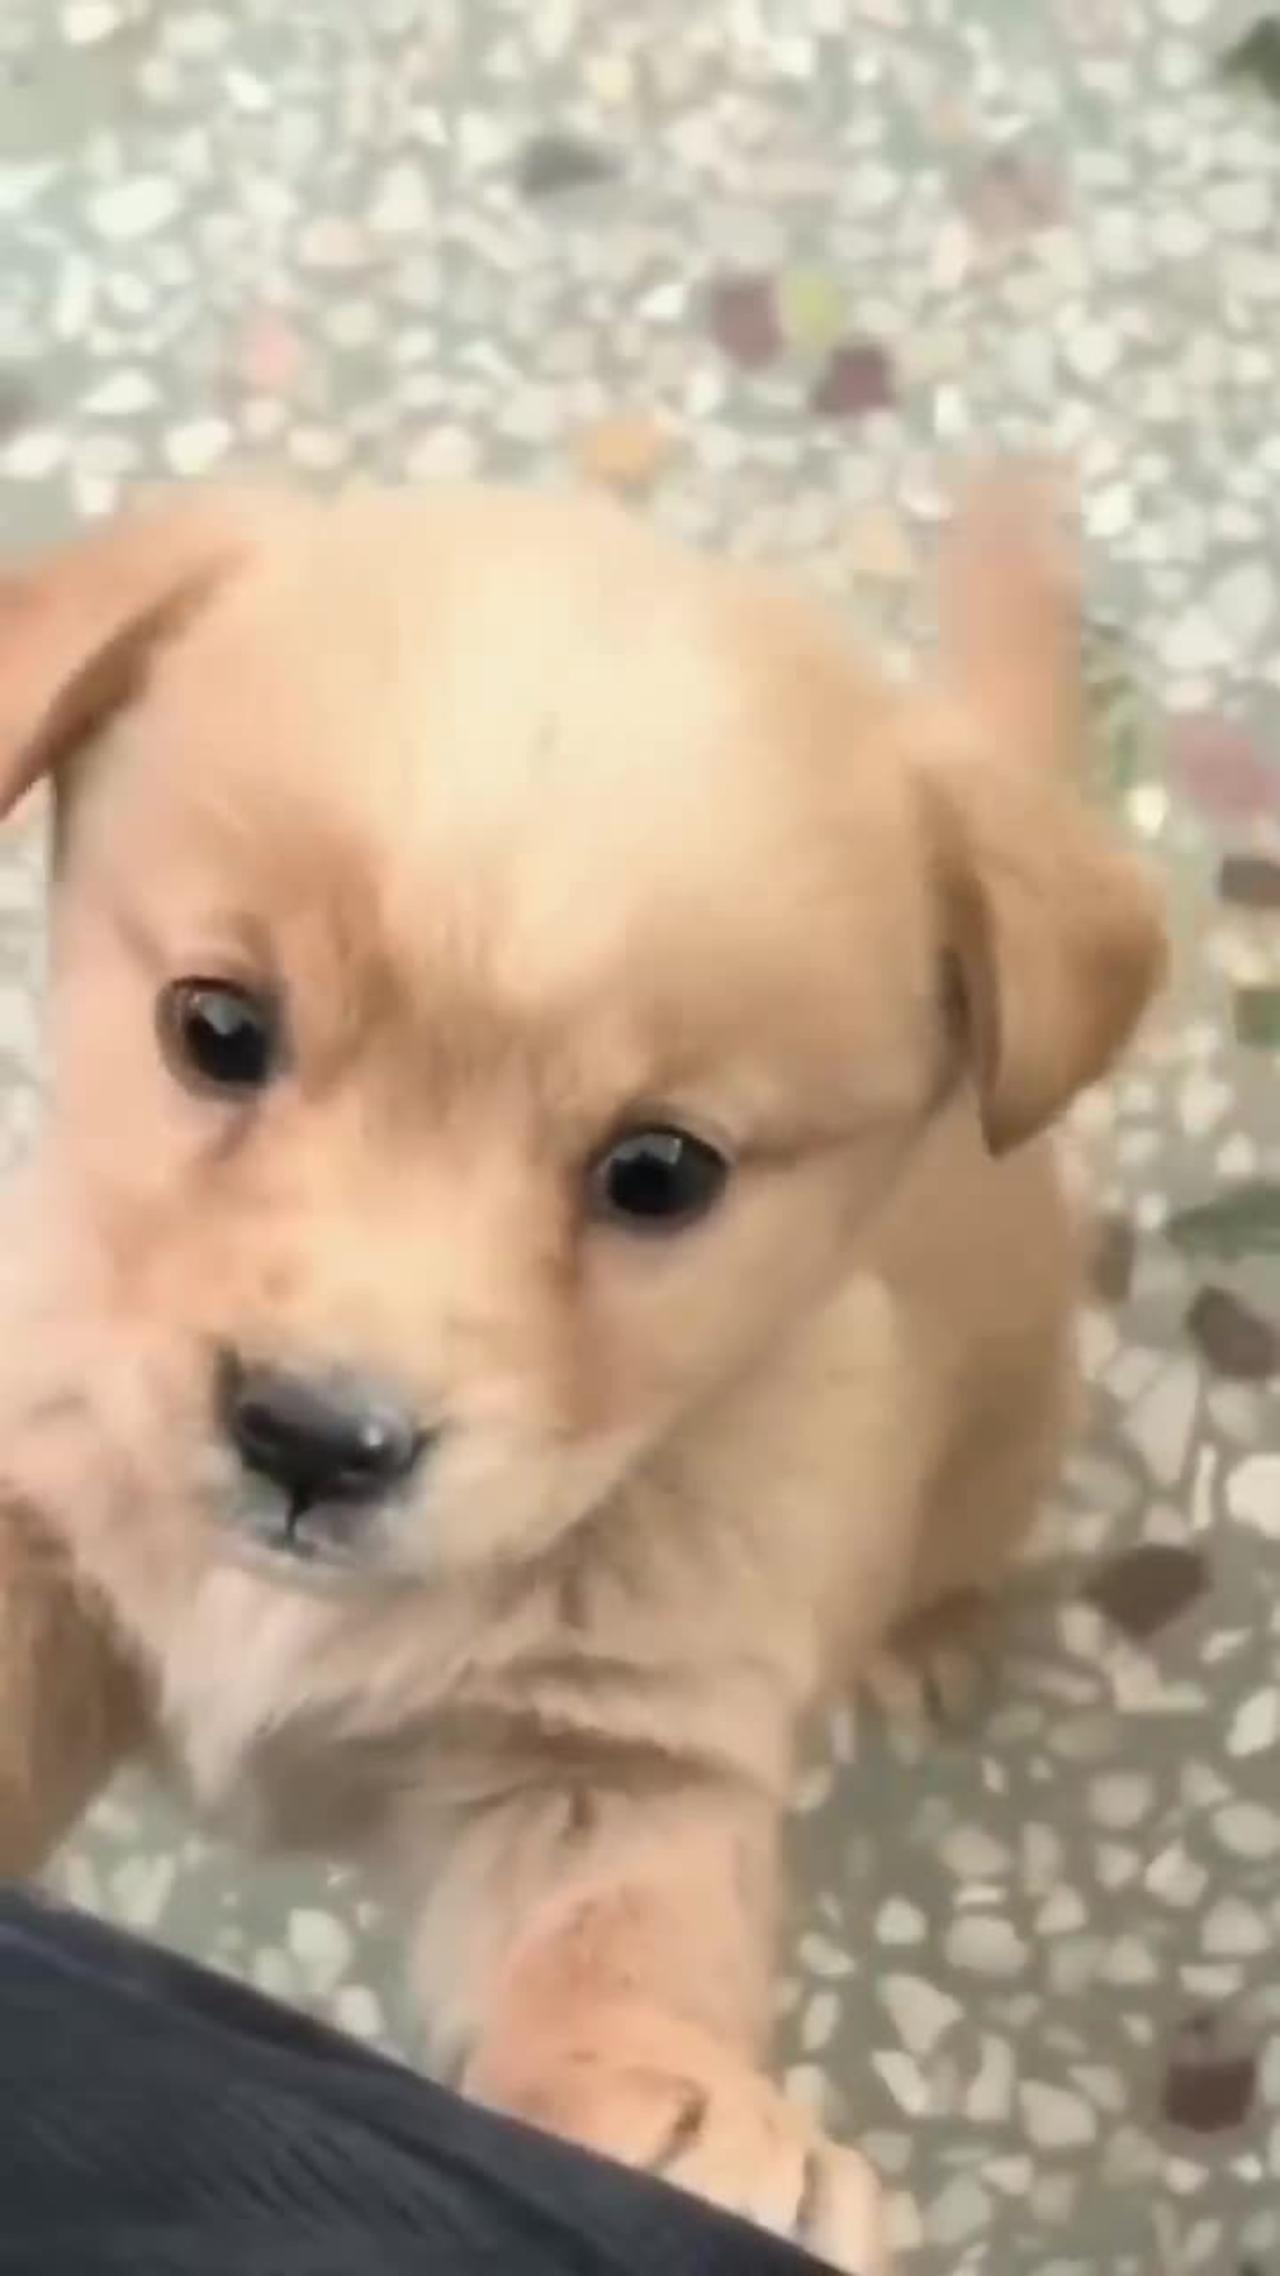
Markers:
point(679, 2105)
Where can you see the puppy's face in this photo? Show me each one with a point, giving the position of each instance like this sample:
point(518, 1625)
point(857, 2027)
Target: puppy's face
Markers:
point(499, 964)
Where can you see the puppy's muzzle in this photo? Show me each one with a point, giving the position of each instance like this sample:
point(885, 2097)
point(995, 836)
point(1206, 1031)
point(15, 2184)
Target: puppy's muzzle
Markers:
point(333, 1445)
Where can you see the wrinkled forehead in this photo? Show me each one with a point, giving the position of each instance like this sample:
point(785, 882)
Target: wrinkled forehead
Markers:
point(534, 747)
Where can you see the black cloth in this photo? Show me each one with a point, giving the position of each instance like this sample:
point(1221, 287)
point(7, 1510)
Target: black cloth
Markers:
point(158, 2120)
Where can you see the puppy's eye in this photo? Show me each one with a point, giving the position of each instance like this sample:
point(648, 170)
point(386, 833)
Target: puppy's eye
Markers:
point(657, 1180)
point(220, 1036)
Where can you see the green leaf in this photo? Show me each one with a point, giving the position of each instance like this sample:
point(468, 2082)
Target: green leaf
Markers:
point(1257, 1018)
point(1244, 1221)
point(1256, 57)
point(811, 309)
point(1124, 753)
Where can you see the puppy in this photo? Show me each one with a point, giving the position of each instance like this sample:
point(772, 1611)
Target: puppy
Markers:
point(542, 1251)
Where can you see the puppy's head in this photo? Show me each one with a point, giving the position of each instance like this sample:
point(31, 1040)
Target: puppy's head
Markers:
point(500, 963)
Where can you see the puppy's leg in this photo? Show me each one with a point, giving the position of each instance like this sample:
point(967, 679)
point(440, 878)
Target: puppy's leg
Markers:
point(69, 1708)
point(612, 1954)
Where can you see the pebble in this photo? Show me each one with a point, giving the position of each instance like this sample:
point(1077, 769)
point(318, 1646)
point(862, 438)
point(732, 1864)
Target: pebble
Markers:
point(1161, 1421)
point(197, 446)
point(959, 2212)
point(401, 204)
point(985, 1946)
point(989, 2099)
point(321, 1945)
point(1253, 1494)
point(1055, 2119)
point(899, 1922)
point(132, 210)
point(922, 2014)
point(1255, 1724)
point(905, 2080)
point(1248, 1830)
point(1233, 1930)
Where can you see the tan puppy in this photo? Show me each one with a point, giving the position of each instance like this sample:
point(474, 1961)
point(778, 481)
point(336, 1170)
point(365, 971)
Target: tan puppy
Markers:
point(539, 1255)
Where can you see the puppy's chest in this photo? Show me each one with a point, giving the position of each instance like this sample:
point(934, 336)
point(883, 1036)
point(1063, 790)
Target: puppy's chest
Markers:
point(304, 1724)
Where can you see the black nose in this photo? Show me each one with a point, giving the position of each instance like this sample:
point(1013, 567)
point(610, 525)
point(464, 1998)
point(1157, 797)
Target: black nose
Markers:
point(322, 1437)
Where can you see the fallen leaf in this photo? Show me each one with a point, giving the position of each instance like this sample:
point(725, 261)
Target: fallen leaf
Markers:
point(1242, 1222)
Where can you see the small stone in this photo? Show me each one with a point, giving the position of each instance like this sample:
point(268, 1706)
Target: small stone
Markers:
point(333, 244)
point(1208, 2086)
point(1221, 767)
point(141, 1887)
point(986, 1946)
point(905, 2080)
point(1192, 642)
point(1243, 207)
point(1091, 350)
point(1011, 194)
point(1112, 1257)
point(1203, 1099)
point(122, 395)
point(973, 1855)
point(1256, 1018)
point(1119, 1799)
point(1237, 1341)
point(1054, 2118)
point(1255, 1726)
point(626, 451)
point(33, 454)
point(1161, 1422)
point(1253, 1493)
point(1062, 1913)
point(1144, 1589)
point(858, 379)
point(820, 1957)
point(401, 203)
point(269, 356)
point(921, 2013)
point(898, 1922)
point(553, 164)
point(1010, 2175)
point(192, 449)
point(1178, 234)
point(1233, 1930)
point(87, 22)
point(1111, 511)
point(1250, 881)
point(960, 2211)
point(818, 2022)
point(990, 2096)
point(742, 315)
point(1125, 1962)
point(358, 2010)
point(1245, 1829)
point(1244, 601)
point(134, 209)
point(320, 1944)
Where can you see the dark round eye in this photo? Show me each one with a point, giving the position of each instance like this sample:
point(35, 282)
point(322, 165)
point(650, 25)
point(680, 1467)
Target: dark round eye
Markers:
point(657, 1180)
point(220, 1036)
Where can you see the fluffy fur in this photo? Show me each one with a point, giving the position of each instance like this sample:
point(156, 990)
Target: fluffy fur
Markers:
point(540, 824)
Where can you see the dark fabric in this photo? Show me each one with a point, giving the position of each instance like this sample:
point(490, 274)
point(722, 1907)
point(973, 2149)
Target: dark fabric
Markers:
point(157, 2120)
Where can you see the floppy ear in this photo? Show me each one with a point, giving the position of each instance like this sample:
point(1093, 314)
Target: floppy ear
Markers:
point(1052, 931)
point(78, 626)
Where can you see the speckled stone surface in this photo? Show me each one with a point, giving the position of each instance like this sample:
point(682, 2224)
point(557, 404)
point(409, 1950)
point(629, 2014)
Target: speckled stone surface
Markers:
point(772, 264)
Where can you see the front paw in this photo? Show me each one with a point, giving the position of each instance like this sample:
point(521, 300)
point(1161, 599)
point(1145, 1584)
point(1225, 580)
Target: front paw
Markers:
point(674, 2102)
